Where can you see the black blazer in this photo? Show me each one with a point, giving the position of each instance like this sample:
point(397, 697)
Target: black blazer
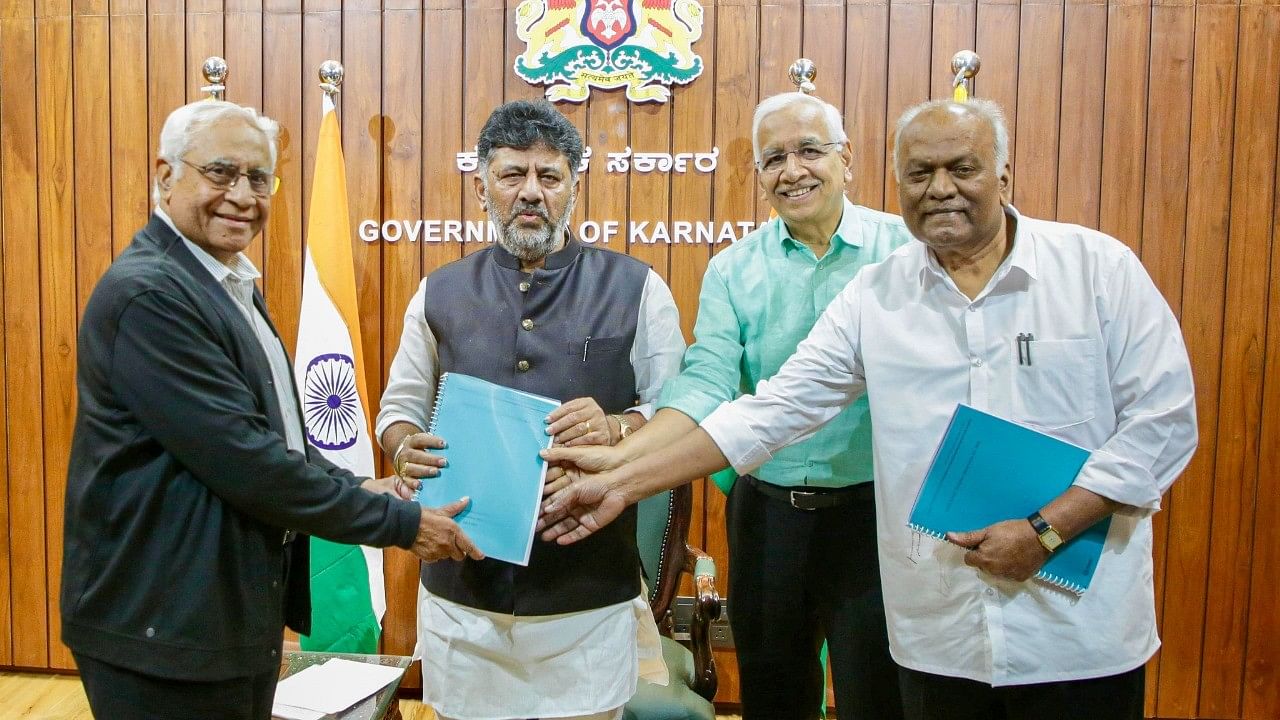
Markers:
point(180, 484)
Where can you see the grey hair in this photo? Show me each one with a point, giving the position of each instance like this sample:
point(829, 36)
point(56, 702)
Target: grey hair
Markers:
point(184, 123)
point(988, 110)
point(521, 124)
point(772, 104)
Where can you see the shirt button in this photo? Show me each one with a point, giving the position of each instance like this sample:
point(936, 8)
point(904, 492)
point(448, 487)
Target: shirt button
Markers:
point(524, 286)
point(273, 653)
point(151, 632)
point(527, 324)
point(991, 592)
point(522, 366)
point(275, 583)
point(977, 362)
point(973, 308)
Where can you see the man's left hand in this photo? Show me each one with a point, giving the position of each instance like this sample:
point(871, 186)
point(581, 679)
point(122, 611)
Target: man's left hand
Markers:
point(580, 422)
point(1008, 549)
point(393, 485)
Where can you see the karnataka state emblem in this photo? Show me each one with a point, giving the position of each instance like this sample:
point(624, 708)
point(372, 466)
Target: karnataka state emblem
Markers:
point(645, 46)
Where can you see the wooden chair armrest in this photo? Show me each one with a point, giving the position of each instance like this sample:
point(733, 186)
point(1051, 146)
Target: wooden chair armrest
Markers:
point(706, 609)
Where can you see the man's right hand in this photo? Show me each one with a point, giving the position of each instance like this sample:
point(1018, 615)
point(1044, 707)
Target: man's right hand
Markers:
point(414, 460)
point(439, 537)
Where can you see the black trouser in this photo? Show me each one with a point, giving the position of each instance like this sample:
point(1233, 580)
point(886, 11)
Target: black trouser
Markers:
point(936, 697)
point(797, 576)
point(116, 693)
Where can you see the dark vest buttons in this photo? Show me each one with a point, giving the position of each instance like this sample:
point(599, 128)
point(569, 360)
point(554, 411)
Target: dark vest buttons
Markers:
point(522, 366)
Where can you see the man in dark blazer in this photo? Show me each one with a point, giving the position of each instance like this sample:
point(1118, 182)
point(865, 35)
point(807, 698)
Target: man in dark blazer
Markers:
point(189, 477)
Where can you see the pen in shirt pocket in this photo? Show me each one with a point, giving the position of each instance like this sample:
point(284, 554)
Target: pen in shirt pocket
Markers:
point(1024, 348)
point(584, 348)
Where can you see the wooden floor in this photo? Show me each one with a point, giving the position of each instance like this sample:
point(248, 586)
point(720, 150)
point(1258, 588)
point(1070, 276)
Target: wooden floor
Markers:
point(28, 696)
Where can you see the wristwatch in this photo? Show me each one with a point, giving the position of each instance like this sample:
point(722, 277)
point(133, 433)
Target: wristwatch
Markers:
point(1049, 537)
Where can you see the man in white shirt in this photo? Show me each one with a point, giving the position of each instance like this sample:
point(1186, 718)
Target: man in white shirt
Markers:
point(937, 324)
point(568, 635)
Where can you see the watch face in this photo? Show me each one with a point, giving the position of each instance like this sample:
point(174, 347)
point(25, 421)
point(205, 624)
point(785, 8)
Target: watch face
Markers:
point(1051, 539)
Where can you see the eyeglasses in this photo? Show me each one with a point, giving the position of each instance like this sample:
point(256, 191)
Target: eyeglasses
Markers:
point(225, 177)
point(807, 155)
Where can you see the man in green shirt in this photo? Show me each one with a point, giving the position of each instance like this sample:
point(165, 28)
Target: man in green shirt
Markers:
point(802, 533)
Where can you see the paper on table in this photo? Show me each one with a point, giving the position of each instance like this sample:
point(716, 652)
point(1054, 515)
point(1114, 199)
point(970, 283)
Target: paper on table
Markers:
point(334, 685)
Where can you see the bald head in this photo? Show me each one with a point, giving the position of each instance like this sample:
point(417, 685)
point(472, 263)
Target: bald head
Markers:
point(983, 111)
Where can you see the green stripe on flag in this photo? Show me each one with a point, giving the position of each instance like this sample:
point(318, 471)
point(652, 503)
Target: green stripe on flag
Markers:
point(342, 618)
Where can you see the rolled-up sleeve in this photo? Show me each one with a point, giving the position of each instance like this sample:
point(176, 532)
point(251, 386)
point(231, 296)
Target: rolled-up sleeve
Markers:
point(1152, 391)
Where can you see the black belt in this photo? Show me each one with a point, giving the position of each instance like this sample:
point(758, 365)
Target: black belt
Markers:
point(811, 498)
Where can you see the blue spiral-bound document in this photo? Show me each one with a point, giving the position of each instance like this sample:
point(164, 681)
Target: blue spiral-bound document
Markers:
point(988, 469)
point(493, 435)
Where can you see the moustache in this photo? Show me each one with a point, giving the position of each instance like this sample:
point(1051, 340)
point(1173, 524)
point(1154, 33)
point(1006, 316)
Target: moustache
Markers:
point(525, 208)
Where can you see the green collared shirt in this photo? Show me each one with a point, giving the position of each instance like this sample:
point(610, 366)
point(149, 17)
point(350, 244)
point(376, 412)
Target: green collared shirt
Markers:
point(759, 300)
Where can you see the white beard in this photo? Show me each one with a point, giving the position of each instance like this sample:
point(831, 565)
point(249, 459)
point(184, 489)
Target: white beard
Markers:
point(531, 245)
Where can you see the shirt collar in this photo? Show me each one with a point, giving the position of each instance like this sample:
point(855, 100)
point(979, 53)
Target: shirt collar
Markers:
point(848, 230)
point(241, 270)
point(1022, 258)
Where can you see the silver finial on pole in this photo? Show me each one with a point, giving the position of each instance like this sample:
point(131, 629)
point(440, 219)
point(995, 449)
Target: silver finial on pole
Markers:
point(331, 73)
point(965, 64)
point(802, 72)
point(215, 73)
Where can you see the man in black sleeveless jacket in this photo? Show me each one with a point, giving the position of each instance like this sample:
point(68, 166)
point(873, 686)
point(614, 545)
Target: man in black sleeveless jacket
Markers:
point(567, 635)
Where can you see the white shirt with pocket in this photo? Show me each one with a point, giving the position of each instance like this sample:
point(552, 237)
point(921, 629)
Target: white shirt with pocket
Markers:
point(1108, 371)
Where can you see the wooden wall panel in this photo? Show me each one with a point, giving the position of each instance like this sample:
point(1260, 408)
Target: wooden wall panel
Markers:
point(1204, 279)
point(1243, 358)
point(131, 152)
point(1155, 120)
point(25, 633)
point(1084, 66)
point(865, 110)
point(55, 177)
point(1261, 691)
point(1128, 28)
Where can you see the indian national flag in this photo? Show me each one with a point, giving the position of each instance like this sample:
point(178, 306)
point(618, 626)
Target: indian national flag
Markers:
point(348, 599)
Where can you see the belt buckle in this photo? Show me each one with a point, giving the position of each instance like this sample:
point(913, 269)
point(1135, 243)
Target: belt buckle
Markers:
point(797, 496)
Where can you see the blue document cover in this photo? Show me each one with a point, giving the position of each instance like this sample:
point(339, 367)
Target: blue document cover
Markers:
point(493, 435)
point(988, 469)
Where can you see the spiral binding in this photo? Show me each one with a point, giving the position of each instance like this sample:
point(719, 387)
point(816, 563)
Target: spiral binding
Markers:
point(1055, 580)
point(435, 409)
point(431, 422)
point(926, 531)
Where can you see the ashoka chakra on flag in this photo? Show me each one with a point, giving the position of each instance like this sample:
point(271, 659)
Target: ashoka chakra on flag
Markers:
point(330, 403)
